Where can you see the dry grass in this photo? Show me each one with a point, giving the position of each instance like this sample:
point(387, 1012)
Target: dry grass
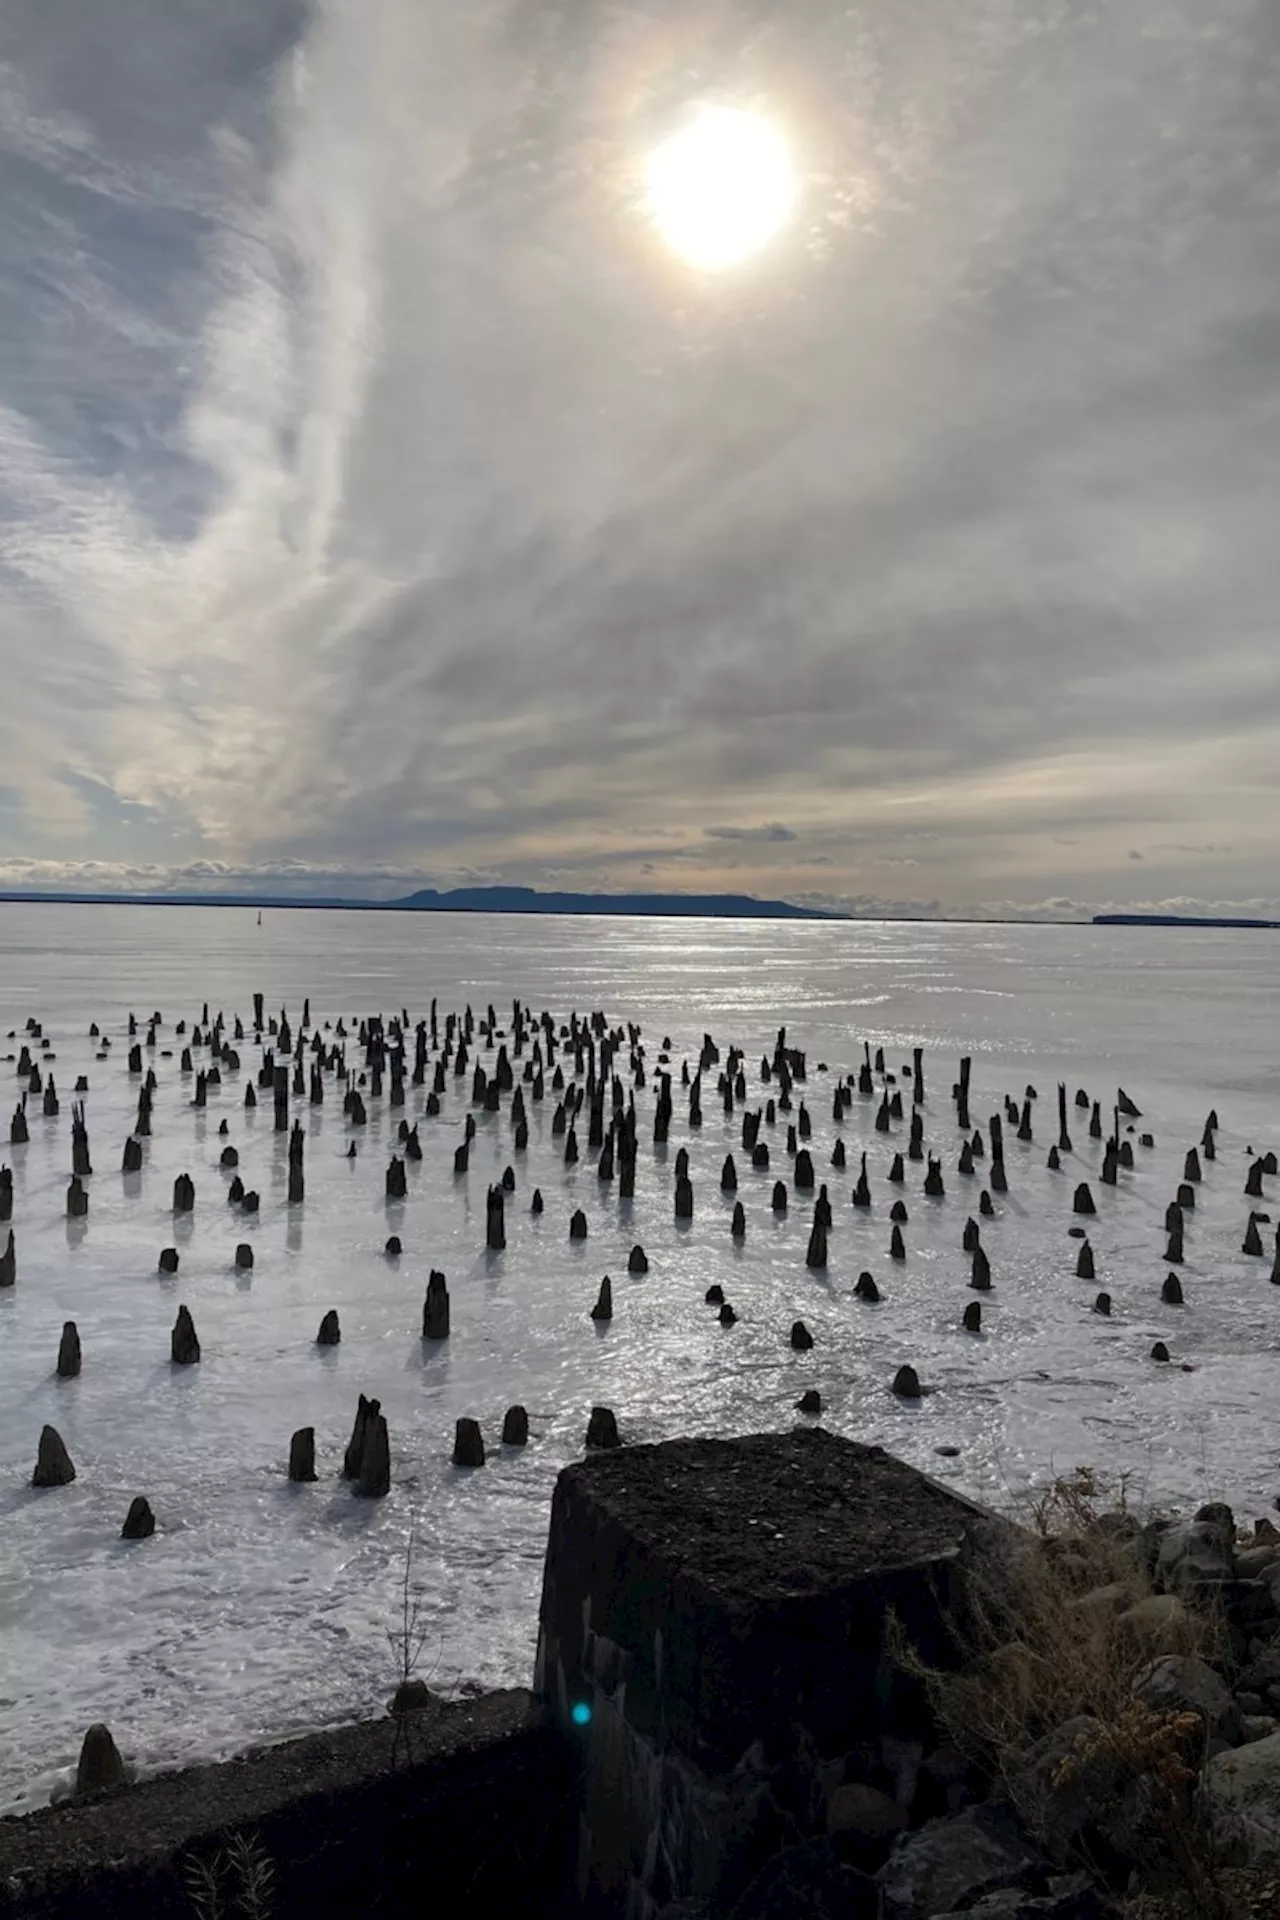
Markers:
point(1048, 1643)
point(237, 1880)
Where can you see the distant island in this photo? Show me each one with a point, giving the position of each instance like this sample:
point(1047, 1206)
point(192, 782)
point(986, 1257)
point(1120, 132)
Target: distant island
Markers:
point(720, 906)
point(1172, 920)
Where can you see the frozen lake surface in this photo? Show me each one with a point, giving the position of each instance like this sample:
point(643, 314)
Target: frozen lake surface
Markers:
point(260, 1608)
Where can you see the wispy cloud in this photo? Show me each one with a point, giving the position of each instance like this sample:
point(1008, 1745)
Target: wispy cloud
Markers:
point(374, 494)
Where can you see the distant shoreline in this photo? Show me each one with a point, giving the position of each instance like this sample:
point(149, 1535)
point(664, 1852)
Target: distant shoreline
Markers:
point(603, 906)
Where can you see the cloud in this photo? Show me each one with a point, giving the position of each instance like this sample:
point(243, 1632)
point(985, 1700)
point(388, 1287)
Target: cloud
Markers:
point(376, 495)
point(775, 831)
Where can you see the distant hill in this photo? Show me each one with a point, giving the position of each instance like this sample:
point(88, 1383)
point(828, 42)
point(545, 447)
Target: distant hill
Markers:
point(729, 906)
point(724, 906)
point(1172, 920)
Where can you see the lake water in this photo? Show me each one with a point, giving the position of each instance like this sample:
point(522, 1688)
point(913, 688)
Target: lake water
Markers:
point(260, 1608)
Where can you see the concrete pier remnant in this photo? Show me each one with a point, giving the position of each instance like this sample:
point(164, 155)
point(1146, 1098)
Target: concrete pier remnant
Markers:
point(695, 1659)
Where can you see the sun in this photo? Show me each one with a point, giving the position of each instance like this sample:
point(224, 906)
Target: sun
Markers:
point(721, 188)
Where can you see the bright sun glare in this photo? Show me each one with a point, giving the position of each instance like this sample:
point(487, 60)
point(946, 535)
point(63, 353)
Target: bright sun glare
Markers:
point(721, 187)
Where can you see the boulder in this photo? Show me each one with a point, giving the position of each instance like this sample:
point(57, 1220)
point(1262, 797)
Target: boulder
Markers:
point(866, 1814)
point(952, 1862)
point(1241, 1795)
point(1192, 1551)
point(100, 1767)
point(1157, 1624)
point(1180, 1683)
point(1070, 1897)
point(809, 1879)
point(411, 1696)
point(1086, 1795)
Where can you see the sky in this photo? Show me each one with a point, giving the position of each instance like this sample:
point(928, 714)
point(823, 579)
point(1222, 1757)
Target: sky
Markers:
point(383, 502)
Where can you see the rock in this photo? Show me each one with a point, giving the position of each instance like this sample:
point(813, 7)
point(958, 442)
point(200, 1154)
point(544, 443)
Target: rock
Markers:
point(100, 1768)
point(184, 1348)
point(302, 1454)
point(809, 1880)
point(810, 1401)
point(330, 1332)
point(952, 1862)
point(468, 1443)
point(1088, 1798)
point(1180, 1683)
point(1071, 1897)
point(515, 1427)
point(865, 1288)
point(1253, 1563)
point(69, 1352)
point(866, 1813)
point(1192, 1551)
point(53, 1462)
point(139, 1522)
point(1159, 1623)
point(1257, 1726)
point(1241, 1795)
point(906, 1383)
point(411, 1696)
